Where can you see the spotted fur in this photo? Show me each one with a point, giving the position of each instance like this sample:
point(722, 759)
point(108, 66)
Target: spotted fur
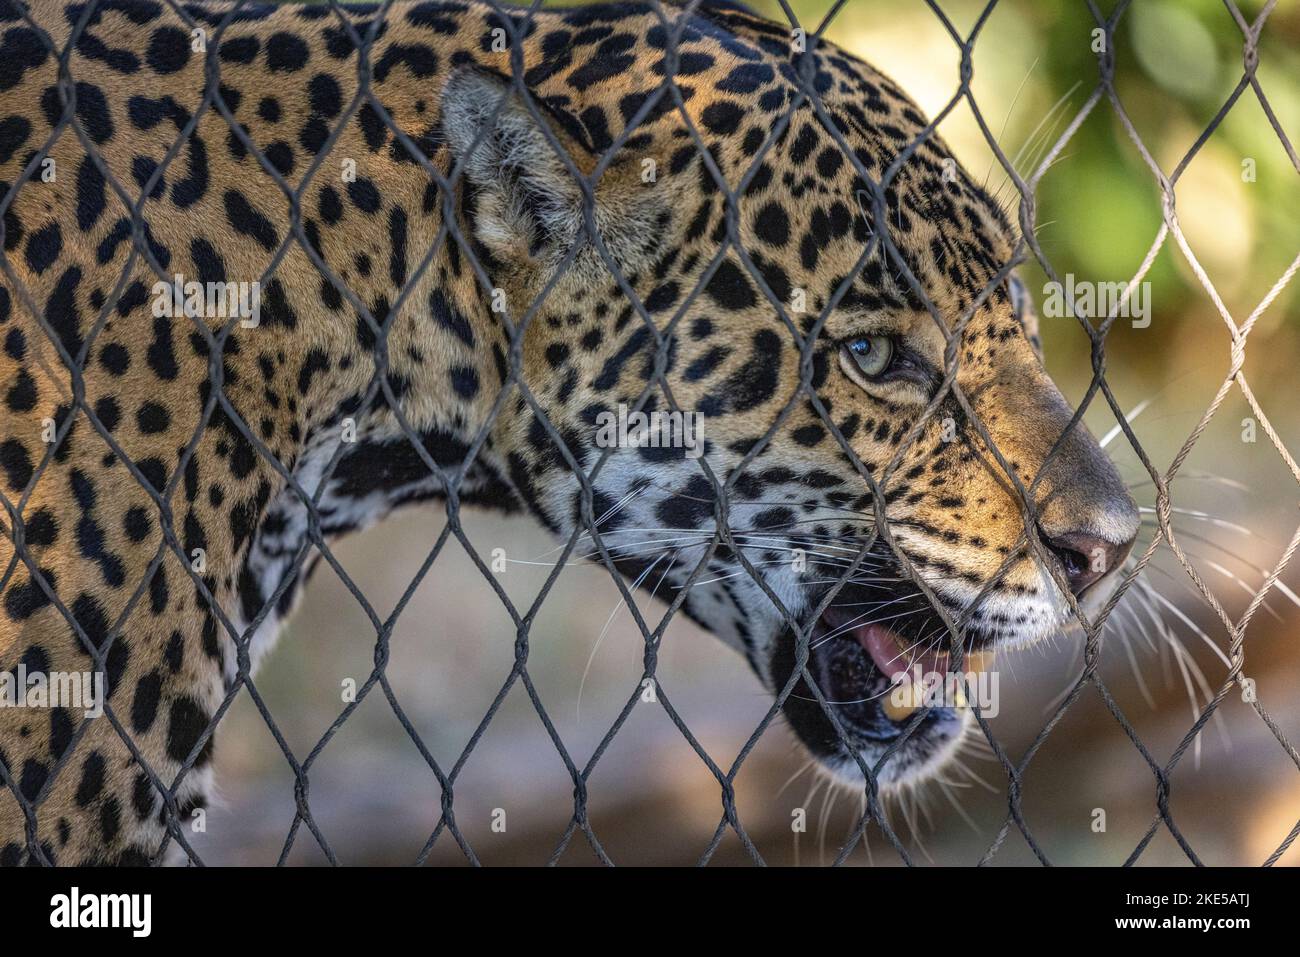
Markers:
point(232, 464)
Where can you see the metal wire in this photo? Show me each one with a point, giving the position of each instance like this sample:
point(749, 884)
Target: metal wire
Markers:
point(517, 23)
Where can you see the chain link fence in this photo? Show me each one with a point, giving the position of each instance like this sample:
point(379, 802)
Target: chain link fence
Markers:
point(362, 28)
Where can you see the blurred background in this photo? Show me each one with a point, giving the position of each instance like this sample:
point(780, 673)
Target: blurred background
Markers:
point(1235, 794)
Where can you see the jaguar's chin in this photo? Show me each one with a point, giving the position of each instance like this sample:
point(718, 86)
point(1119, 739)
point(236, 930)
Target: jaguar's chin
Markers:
point(881, 661)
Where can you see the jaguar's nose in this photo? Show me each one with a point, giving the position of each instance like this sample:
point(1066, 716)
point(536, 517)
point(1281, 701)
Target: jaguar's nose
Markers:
point(1085, 557)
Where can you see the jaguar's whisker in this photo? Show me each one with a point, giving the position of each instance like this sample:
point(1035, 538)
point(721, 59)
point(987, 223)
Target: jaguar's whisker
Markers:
point(1137, 670)
point(946, 787)
point(856, 622)
point(1129, 417)
point(1200, 476)
point(1199, 516)
point(582, 682)
point(1280, 585)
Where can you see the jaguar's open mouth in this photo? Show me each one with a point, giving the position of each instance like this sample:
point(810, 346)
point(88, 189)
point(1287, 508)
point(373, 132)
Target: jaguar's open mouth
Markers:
point(880, 657)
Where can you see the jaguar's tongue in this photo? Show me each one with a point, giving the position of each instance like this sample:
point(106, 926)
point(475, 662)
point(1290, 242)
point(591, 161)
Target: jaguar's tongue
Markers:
point(898, 661)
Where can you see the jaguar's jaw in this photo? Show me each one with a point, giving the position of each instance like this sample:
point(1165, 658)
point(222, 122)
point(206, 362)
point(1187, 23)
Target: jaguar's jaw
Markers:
point(895, 703)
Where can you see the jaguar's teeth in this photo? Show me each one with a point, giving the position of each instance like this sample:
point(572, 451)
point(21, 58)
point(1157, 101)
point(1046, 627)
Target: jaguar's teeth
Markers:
point(906, 696)
point(902, 701)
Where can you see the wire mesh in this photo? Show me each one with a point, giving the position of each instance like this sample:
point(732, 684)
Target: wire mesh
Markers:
point(364, 36)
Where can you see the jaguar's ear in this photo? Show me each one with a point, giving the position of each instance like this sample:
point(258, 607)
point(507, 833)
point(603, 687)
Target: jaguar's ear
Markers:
point(526, 203)
point(527, 208)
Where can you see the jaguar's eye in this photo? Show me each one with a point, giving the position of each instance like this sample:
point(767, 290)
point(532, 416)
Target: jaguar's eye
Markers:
point(869, 355)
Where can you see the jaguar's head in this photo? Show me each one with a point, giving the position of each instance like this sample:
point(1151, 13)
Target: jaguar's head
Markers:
point(827, 381)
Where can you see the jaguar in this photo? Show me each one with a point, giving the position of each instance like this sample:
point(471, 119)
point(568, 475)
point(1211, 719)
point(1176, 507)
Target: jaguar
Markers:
point(473, 233)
